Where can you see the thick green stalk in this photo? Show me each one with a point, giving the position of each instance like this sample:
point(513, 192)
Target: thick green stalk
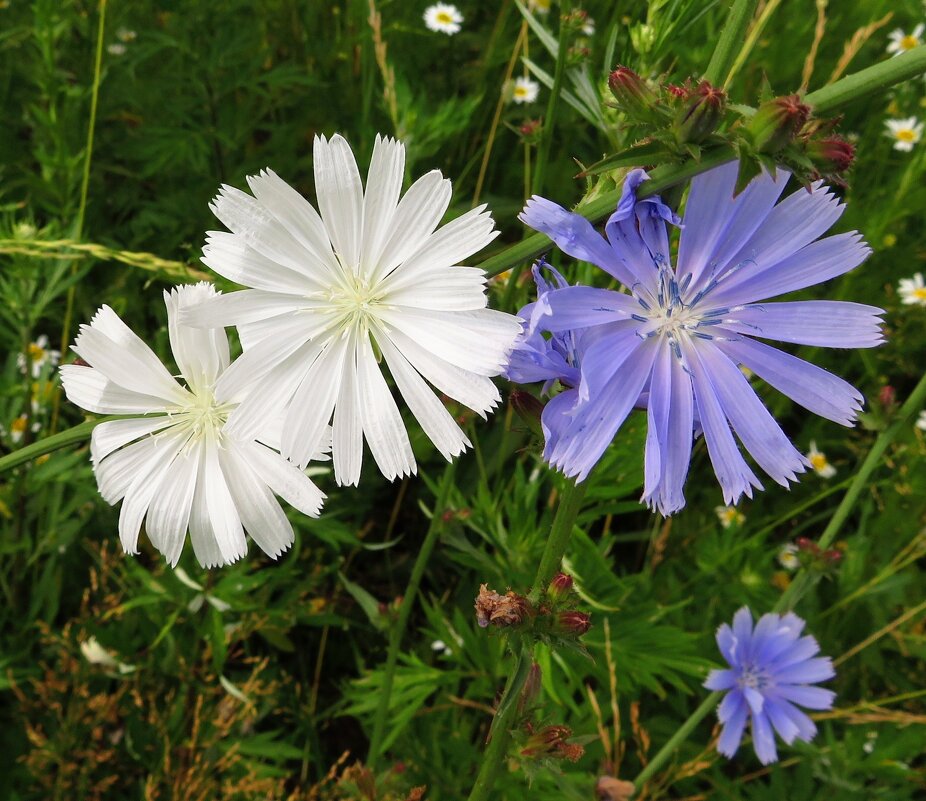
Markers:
point(868, 81)
point(546, 133)
point(71, 436)
point(796, 589)
point(408, 601)
point(570, 503)
point(824, 101)
point(911, 406)
point(501, 724)
point(84, 187)
point(677, 739)
point(730, 42)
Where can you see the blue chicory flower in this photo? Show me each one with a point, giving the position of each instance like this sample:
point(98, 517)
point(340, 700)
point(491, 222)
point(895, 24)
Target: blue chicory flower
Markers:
point(675, 342)
point(771, 670)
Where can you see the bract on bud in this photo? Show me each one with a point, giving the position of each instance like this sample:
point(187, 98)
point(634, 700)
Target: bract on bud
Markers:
point(550, 741)
point(572, 624)
point(560, 587)
point(531, 689)
point(831, 155)
point(700, 113)
point(777, 122)
point(528, 408)
point(634, 96)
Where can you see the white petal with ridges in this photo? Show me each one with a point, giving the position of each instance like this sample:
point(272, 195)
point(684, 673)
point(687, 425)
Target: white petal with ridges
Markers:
point(340, 196)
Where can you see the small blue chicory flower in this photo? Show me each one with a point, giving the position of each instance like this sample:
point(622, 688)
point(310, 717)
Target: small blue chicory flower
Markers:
point(771, 670)
point(675, 342)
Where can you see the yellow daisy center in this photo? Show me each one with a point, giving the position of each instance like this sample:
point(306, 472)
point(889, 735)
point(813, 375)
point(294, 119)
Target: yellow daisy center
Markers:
point(19, 424)
point(444, 18)
point(520, 91)
point(818, 461)
point(909, 42)
point(919, 293)
point(36, 352)
point(906, 135)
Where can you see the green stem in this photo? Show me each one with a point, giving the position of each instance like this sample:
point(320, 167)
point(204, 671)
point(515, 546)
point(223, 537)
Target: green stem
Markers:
point(825, 101)
point(82, 208)
point(868, 81)
point(570, 503)
point(797, 587)
point(755, 32)
point(912, 405)
point(71, 436)
point(408, 601)
point(730, 42)
point(677, 739)
point(499, 732)
point(546, 134)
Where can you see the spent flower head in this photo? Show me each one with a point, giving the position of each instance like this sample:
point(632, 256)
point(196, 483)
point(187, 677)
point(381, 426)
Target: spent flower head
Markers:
point(772, 670)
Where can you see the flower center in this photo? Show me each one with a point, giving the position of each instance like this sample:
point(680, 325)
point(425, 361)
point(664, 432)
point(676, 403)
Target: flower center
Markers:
point(356, 300)
point(919, 293)
point(36, 352)
point(753, 676)
point(906, 135)
point(204, 417)
point(444, 18)
point(818, 461)
point(909, 42)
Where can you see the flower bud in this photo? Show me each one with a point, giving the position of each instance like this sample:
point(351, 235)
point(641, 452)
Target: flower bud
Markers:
point(572, 624)
point(777, 122)
point(550, 741)
point(699, 117)
point(634, 95)
point(531, 689)
point(832, 155)
point(887, 396)
point(528, 408)
point(560, 587)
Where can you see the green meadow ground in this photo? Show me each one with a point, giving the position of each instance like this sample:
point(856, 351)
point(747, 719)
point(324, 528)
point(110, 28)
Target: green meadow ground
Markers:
point(260, 680)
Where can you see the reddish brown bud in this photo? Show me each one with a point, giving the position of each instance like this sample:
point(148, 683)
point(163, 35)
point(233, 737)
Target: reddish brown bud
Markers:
point(560, 587)
point(572, 624)
point(699, 117)
point(634, 95)
point(550, 741)
point(777, 122)
point(528, 408)
point(832, 155)
point(887, 396)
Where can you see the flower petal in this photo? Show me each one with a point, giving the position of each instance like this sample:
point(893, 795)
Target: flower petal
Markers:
point(732, 734)
point(720, 680)
point(810, 386)
point(114, 434)
point(200, 353)
point(91, 390)
point(229, 256)
point(763, 739)
point(284, 478)
point(347, 426)
point(340, 197)
point(169, 513)
point(825, 323)
point(809, 697)
point(384, 184)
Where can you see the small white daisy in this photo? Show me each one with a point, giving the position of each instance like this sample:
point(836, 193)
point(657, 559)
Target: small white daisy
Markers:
point(818, 461)
point(901, 42)
point(787, 557)
point(126, 35)
point(37, 355)
point(116, 49)
point(525, 90)
point(371, 282)
point(96, 654)
point(440, 647)
point(588, 27)
point(729, 516)
point(912, 291)
point(173, 463)
point(443, 18)
point(921, 421)
point(18, 429)
point(905, 133)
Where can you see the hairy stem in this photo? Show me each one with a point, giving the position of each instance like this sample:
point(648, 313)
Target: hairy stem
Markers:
point(408, 601)
point(730, 42)
point(570, 503)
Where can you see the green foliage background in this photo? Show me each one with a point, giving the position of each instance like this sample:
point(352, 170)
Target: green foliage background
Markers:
point(260, 680)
